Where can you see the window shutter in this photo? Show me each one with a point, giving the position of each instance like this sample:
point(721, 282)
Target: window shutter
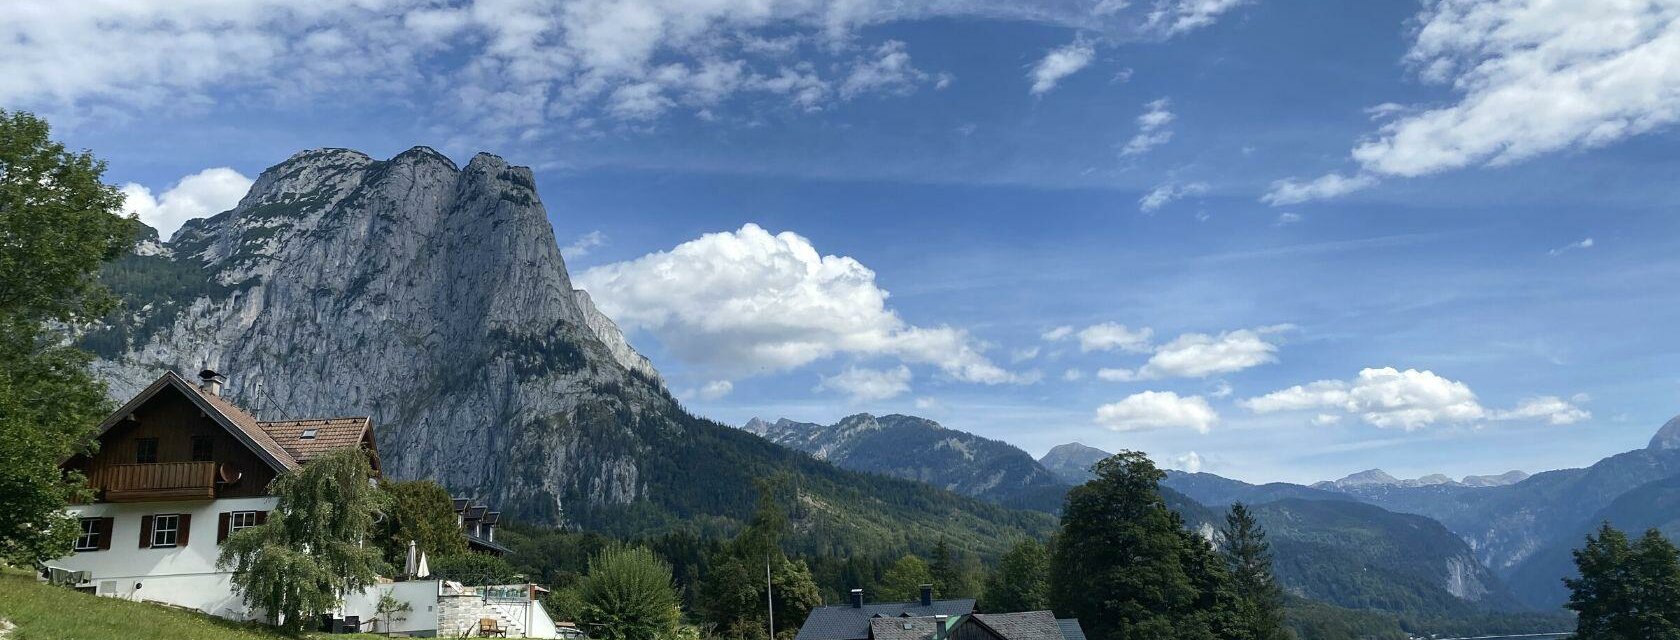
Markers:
point(106, 526)
point(185, 526)
point(222, 527)
point(262, 517)
point(145, 532)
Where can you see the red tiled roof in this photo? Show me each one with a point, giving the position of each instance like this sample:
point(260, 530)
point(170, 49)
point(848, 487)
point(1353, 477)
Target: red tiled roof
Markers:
point(328, 434)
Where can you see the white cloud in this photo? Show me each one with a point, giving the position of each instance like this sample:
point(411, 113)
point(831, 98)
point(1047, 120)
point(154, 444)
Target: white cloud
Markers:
point(1154, 129)
point(1292, 191)
point(1073, 375)
point(1023, 354)
point(1168, 193)
point(1532, 78)
point(1116, 375)
point(1057, 333)
point(511, 66)
point(749, 302)
point(1060, 63)
point(1158, 410)
point(205, 193)
point(1176, 17)
point(1199, 355)
point(1286, 218)
point(1552, 409)
point(1190, 462)
point(1107, 336)
point(927, 403)
point(1326, 419)
point(866, 385)
point(1385, 397)
point(713, 390)
point(583, 245)
point(1221, 390)
point(1584, 243)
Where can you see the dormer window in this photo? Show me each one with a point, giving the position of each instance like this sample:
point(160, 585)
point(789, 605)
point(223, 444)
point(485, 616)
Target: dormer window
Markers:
point(308, 434)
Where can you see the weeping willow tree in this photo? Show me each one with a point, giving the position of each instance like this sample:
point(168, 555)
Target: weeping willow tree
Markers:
point(310, 553)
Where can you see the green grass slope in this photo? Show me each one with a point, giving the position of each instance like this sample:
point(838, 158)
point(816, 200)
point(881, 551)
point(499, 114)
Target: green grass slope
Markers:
point(42, 612)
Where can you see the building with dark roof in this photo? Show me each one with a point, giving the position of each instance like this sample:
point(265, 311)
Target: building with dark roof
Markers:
point(852, 621)
point(1026, 625)
point(478, 522)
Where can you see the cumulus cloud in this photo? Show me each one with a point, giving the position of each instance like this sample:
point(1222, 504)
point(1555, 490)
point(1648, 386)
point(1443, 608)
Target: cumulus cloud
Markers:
point(1190, 462)
point(1552, 409)
point(583, 245)
point(205, 193)
point(1409, 400)
point(1199, 355)
point(1291, 191)
point(1532, 78)
point(713, 390)
point(867, 385)
point(1154, 129)
point(1168, 193)
point(511, 66)
point(748, 302)
point(1060, 63)
point(1158, 410)
point(1106, 336)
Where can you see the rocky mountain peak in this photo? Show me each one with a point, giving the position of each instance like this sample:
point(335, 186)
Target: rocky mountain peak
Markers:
point(1668, 437)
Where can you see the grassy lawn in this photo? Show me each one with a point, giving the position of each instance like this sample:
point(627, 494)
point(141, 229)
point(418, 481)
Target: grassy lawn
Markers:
point(43, 612)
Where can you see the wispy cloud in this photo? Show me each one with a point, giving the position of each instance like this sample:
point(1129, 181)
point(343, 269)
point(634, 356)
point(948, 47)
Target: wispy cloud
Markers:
point(1060, 63)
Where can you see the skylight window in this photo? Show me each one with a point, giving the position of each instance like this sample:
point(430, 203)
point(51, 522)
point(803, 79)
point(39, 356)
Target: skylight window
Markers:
point(308, 434)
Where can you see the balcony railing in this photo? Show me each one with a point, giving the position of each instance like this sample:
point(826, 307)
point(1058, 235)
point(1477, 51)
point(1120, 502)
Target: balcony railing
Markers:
point(158, 481)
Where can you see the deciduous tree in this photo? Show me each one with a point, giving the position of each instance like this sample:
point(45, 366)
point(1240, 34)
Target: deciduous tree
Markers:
point(58, 223)
point(1022, 580)
point(311, 552)
point(628, 595)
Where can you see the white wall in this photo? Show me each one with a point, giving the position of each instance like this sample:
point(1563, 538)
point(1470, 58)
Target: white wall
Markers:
point(422, 599)
point(183, 575)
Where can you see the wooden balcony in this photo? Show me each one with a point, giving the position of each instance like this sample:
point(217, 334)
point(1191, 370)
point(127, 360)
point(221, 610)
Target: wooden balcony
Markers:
point(160, 481)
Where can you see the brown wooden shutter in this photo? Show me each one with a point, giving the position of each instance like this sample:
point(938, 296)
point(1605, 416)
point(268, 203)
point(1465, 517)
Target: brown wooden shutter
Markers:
point(145, 532)
point(105, 527)
point(222, 527)
point(185, 526)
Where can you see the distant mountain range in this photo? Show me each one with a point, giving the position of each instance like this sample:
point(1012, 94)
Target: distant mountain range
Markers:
point(1380, 478)
point(920, 449)
point(1072, 462)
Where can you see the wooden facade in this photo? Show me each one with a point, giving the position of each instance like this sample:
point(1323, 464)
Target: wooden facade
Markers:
point(150, 454)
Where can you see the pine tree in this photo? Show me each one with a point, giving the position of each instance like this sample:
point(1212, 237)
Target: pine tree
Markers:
point(943, 571)
point(1602, 596)
point(1022, 580)
point(732, 593)
point(1128, 569)
point(1248, 557)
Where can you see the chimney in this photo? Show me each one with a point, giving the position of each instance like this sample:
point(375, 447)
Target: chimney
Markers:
point(212, 381)
point(857, 598)
point(927, 595)
point(942, 624)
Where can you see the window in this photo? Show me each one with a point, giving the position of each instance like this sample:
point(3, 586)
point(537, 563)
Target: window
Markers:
point(145, 450)
point(203, 448)
point(164, 530)
point(89, 540)
point(240, 520)
point(308, 434)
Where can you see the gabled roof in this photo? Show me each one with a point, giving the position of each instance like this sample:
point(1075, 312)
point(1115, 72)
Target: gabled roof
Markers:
point(1070, 629)
point(845, 622)
point(901, 628)
point(1026, 625)
point(325, 435)
point(263, 438)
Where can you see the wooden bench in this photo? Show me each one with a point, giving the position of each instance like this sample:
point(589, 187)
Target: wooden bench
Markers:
point(489, 627)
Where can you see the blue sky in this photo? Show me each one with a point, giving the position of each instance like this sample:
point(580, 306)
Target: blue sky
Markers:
point(1271, 240)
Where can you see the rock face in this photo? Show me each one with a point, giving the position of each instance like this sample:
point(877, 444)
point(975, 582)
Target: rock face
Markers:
point(1668, 437)
point(920, 449)
point(1072, 462)
point(434, 298)
point(419, 292)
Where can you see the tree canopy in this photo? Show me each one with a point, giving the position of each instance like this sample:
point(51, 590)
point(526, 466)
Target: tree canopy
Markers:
point(1627, 590)
point(628, 595)
point(421, 511)
point(58, 223)
point(1248, 557)
point(1127, 568)
point(732, 593)
point(310, 553)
